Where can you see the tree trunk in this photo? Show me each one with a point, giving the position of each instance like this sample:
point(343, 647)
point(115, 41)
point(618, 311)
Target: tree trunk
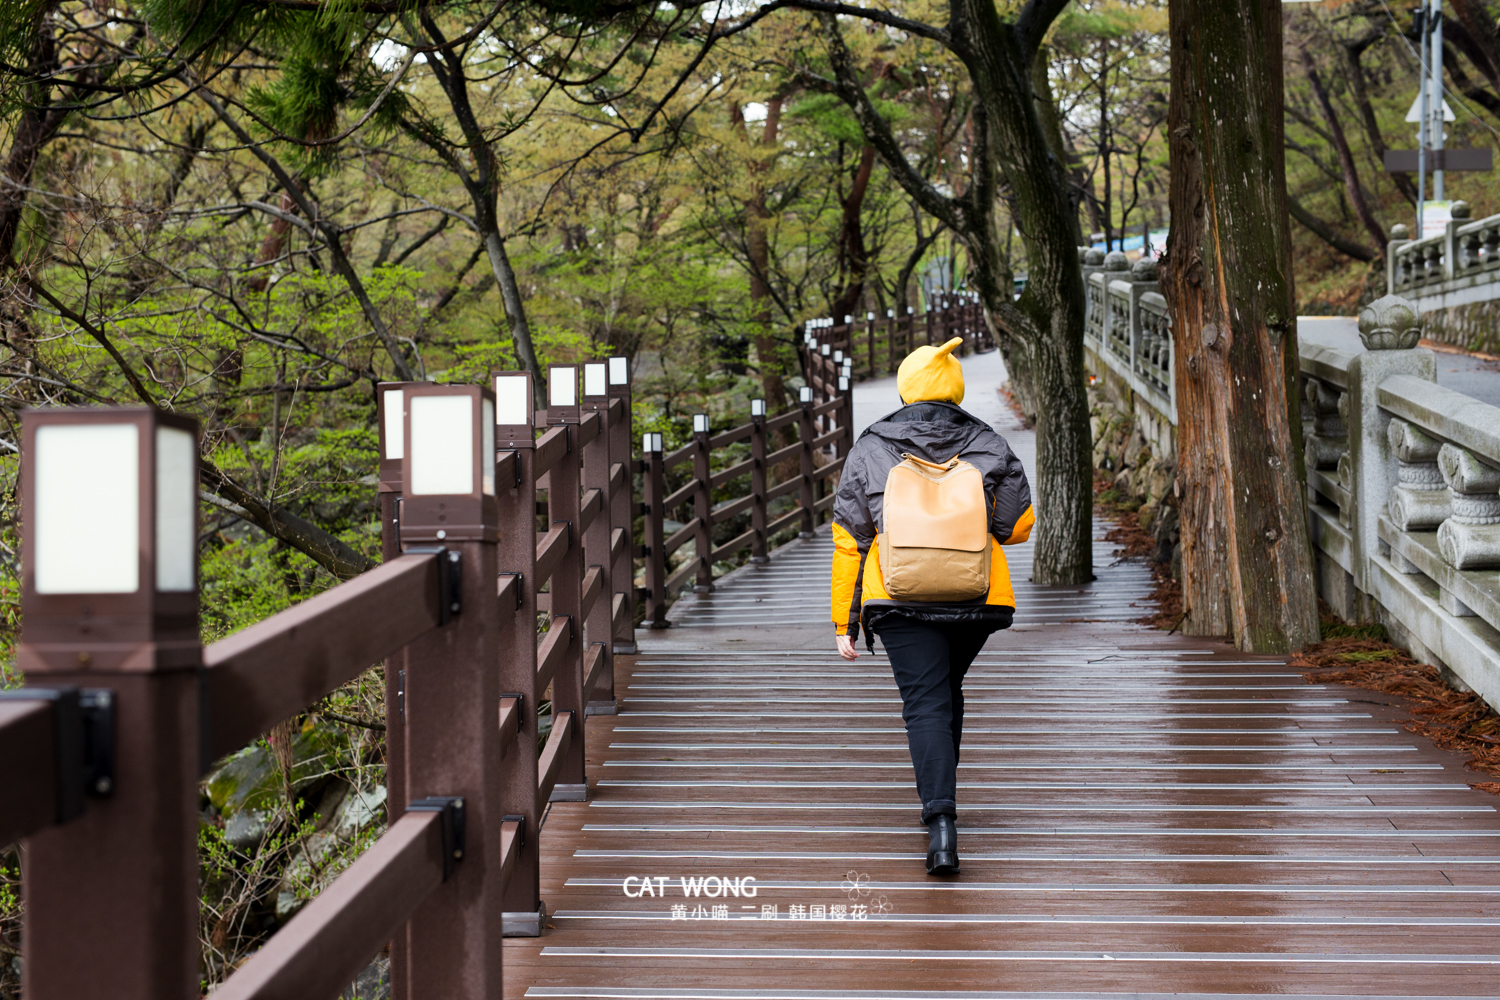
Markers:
point(757, 218)
point(854, 261)
point(1352, 186)
point(1246, 561)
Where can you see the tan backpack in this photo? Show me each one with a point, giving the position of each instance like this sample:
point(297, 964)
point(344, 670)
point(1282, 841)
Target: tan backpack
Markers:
point(936, 543)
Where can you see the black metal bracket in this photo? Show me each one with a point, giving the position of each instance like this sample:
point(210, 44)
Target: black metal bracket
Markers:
point(452, 809)
point(520, 582)
point(450, 567)
point(401, 693)
point(520, 707)
point(570, 530)
point(521, 821)
point(83, 742)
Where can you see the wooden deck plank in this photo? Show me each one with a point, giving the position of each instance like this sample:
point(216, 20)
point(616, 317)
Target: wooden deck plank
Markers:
point(1139, 813)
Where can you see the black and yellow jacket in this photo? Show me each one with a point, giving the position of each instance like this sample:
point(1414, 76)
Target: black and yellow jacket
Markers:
point(936, 432)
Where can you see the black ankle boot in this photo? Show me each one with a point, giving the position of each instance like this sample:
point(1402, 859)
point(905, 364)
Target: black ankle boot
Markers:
point(942, 846)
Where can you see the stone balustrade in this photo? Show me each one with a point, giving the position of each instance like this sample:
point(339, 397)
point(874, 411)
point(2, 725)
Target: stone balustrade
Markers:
point(1403, 475)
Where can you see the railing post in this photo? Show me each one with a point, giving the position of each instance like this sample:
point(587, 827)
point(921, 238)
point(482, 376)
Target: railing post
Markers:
point(110, 600)
point(391, 425)
point(599, 625)
point(758, 481)
point(911, 330)
point(622, 505)
point(523, 912)
point(1389, 328)
point(703, 504)
point(566, 587)
point(891, 326)
point(870, 340)
point(654, 490)
point(808, 431)
point(927, 321)
point(452, 695)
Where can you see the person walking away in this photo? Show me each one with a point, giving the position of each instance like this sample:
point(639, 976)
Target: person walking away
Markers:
point(926, 494)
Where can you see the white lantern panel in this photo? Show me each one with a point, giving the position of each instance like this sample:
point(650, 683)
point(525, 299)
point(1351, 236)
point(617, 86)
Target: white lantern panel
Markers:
point(562, 387)
point(487, 447)
point(593, 380)
point(392, 400)
point(510, 401)
point(619, 371)
point(442, 445)
point(86, 522)
point(176, 510)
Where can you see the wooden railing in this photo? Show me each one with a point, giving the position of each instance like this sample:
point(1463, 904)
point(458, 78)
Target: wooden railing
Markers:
point(875, 348)
point(100, 763)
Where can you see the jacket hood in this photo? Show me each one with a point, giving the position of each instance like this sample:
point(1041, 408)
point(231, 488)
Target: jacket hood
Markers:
point(951, 431)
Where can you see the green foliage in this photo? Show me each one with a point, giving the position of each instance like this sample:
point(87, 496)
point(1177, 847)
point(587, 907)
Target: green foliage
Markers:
point(1333, 628)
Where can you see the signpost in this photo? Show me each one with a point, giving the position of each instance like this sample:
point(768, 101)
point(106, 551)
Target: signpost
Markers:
point(1430, 111)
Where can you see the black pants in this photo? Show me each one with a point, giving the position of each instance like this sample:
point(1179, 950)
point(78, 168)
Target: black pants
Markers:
point(929, 660)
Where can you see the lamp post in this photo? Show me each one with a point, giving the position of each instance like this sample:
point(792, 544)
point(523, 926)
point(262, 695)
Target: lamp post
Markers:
point(653, 490)
point(523, 912)
point(622, 504)
point(808, 432)
point(109, 598)
point(758, 472)
point(566, 586)
point(599, 620)
point(452, 692)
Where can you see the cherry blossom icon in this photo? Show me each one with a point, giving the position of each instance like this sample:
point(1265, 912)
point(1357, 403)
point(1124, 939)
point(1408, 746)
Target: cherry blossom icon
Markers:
point(855, 884)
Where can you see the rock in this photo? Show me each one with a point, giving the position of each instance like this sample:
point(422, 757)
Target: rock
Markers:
point(251, 778)
point(374, 983)
point(312, 868)
point(246, 829)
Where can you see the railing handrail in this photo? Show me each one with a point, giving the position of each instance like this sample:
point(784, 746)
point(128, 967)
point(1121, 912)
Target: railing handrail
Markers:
point(441, 631)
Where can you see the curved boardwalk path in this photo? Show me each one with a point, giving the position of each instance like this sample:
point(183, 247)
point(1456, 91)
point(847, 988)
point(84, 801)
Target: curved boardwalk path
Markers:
point(1139, 814)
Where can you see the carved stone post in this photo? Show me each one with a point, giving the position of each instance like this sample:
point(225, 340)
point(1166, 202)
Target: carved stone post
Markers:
point(1419, 501)
point(1390, 329)
point(1470, 537)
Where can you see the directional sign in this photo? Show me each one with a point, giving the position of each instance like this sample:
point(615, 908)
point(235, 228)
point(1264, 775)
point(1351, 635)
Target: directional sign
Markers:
point(1404, 161)
point(1415, 114)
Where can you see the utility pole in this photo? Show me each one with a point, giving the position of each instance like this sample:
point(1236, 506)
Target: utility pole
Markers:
point(1419, 19)
point(1435, 96)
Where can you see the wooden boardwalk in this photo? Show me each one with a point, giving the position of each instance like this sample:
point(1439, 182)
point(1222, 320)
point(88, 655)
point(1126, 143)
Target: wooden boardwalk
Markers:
point(1139, 814)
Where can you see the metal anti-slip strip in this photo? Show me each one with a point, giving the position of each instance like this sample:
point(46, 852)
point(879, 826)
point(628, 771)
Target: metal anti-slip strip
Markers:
point(1034, 766)
point(969, 807)
point(1021, 748)
point(1287, 920)
point(794, 993)
point(1012, 731)
point(1067, 957)
point(1343, 788)
point(909, 830)
point(1279, 859)
point(1088, 889)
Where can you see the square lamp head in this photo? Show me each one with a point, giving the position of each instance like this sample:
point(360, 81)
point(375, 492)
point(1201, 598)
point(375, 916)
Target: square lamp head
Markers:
point(700, 423)
point(825, 350)
point(109, 542)
point(843, 383)
point(838, 357)
point(651, 443)
point(848, 320)
point(390, 417)
point(515, 410)
point(757, 407)
point(562, 395)
point(449, 490)
point(595, 386)
point(619, 376)
point(805, 395)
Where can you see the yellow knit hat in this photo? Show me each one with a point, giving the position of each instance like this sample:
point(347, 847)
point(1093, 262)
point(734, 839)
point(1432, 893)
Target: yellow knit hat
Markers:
point(932, 374)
